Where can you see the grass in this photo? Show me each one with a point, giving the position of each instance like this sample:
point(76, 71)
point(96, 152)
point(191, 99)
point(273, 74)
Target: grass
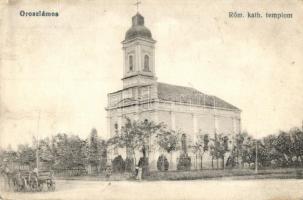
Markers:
point(283, 173)
point(99, 177)
point(228, 173)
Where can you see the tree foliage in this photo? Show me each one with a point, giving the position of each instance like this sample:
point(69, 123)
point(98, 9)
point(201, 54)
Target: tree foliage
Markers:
point(135, 135)
point(26, 154)
point(169, 140)
point(200, 146)
point(63, 151)
point(219, 147)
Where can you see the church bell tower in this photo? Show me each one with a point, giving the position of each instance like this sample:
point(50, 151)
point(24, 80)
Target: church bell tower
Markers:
point(139, 55)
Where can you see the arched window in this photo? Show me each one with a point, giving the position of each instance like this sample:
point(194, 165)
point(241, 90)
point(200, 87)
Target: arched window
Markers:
point(116, 126)
point(146, 63)
point(183, 143)
point(131, 63)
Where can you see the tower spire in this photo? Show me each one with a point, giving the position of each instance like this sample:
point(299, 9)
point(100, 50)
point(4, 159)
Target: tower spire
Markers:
point(137, 5)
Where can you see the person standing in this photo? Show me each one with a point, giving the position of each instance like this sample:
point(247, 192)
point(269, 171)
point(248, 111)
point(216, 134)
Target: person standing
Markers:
point(140, 166)
point(108, 172)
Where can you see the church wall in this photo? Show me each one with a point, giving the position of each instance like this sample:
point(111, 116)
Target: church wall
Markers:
point(165, 116)
point(165, 106)
point(237, 126)
point(190, 121)
point(205, 123)
point(147, 115)
point(184, 122)
point(225, 125)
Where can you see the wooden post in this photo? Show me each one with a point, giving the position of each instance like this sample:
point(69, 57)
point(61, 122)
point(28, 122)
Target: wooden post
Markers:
point(256, 161)
point(37, 148)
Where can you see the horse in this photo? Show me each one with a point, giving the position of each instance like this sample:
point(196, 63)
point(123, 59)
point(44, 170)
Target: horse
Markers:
point(8, 178)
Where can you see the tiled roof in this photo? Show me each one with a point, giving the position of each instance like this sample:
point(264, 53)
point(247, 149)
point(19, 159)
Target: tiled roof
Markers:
point(190, 95)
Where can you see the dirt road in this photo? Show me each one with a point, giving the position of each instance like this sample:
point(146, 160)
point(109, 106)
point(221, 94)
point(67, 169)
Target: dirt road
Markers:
point(199, 189)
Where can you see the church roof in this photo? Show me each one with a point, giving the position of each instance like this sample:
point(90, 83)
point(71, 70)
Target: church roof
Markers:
point(190, 95)
point(138, 29)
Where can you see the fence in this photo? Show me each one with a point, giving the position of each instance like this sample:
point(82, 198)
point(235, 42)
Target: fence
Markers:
point(70, 172)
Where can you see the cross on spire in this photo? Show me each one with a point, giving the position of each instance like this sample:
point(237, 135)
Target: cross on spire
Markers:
point(137, 4)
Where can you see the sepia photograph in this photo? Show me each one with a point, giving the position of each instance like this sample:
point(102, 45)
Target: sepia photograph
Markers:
point(151, 99)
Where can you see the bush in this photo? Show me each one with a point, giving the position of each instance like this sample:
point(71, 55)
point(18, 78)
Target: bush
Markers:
point(129, 164)
point(162, 163)
point(184, 162)
point(118, 164)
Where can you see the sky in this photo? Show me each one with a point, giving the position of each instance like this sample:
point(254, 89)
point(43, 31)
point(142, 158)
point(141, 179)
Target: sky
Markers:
point(55, 72)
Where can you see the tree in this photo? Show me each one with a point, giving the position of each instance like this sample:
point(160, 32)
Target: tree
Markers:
point(274, 156)
point(126, 138)
point(26, 154)
point(69, 151)
point(224, 147)
point(136, 135)
point(169, 140)
point(147, 130)
point(46, 154)
point(297, 144)
point(96, 151)
point(201, 146)
point(219, 148)
point(214, 150)
point(243, 149)
point(239, 147)
point(102, 151)
point(283, 144)
point(93, 155)
point(76, 151)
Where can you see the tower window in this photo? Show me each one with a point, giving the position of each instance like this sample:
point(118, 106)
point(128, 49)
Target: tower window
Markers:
point(146, 63)
point(131, 63)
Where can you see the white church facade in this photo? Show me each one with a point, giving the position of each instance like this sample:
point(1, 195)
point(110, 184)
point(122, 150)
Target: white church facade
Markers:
point(144, 98)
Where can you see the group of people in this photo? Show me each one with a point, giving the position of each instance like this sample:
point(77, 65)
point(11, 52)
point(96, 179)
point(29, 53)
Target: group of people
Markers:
point(138, 171)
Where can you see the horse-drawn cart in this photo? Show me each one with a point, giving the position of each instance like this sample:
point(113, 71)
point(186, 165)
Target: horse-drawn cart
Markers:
point(47, 178)
point(31, 181)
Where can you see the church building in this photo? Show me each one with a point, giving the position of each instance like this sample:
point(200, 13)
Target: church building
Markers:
point(144, 98)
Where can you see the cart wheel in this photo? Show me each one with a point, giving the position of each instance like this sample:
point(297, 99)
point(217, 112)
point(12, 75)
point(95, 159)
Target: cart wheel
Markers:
point(40, 187)
point(15, 186)
point(34, 184)
point(26, 187)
